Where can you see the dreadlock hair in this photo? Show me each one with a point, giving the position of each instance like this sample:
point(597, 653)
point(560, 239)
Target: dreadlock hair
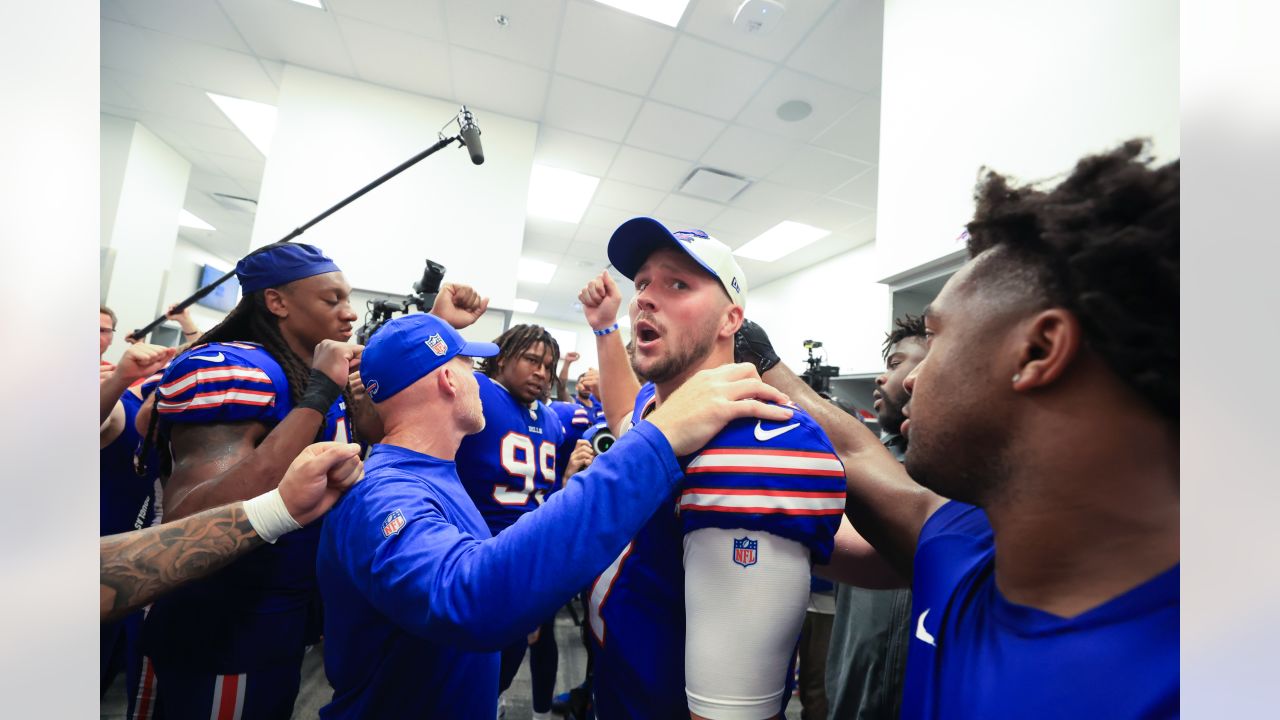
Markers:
point(513, 343)
point(907, 326)
point(248, 321)
point(1103, 244)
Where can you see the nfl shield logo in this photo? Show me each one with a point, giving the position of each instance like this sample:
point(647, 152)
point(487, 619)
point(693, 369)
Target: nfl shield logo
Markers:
point(392, 524)
point(744, 551)
point(437, 344)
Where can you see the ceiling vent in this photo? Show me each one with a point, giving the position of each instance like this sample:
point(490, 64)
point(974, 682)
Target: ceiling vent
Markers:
point(237, 203)
point(716, 185)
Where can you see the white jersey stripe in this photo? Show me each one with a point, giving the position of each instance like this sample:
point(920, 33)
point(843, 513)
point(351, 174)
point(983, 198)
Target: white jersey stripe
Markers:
point(728, 462)
point(213, 375)
point(243, 397)
point(776, 503)
point(244, 679)
point(600, 592)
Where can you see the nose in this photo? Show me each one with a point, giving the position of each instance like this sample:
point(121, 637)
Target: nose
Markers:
point(644, 300)
point(882, 379)
point(909, 383)
point(347, 314)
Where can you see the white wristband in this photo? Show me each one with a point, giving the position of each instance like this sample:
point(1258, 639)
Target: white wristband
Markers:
point(269, 517)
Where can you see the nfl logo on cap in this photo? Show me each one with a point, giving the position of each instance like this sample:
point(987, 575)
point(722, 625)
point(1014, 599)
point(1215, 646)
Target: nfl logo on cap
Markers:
point(392, 524)
point(744, 551)
point(437, 345)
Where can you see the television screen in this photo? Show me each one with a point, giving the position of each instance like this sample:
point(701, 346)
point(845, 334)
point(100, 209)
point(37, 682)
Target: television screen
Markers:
point(225, 296)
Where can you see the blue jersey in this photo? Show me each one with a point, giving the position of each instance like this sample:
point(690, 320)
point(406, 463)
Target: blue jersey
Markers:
point(125, 500)
point(419, 598)
point(785, 482)
point(510, 466)
point(574, 418)
point(593, 406)
point(254, 613)
point(974, 654)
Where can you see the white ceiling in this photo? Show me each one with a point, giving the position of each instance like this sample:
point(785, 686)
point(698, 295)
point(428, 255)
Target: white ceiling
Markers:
point(634, 102)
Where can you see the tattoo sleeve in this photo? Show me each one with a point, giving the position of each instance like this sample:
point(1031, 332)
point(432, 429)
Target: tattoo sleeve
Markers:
point(138, 567)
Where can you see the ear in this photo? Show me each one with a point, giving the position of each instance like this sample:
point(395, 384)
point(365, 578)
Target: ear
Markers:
point(732, 321)
point(276, 303)
point(1049, 344)
point(447, 381)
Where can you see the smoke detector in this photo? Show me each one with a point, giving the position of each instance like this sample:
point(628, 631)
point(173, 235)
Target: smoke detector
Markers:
point(758, 17)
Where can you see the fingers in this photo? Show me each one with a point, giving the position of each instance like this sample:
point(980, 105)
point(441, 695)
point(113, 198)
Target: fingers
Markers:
point(322, 456)
point(484, 305)
point(350, 472)
point(610, 287)
point(757, 389)
point(764, 411)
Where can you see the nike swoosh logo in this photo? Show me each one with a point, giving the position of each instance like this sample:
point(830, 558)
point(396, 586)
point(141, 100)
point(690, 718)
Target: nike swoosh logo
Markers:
point(211, 358)
point(923, 634)
point(765, 435)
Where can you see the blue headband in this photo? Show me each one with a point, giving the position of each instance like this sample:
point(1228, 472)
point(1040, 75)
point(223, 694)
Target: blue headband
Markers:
point(280, 265)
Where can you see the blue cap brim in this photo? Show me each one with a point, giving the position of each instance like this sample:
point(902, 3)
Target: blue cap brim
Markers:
point(636, 239)
point(478, 349)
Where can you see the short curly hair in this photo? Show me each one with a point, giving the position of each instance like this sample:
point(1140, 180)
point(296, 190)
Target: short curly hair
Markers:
point(1104, 245)
point(907, 326)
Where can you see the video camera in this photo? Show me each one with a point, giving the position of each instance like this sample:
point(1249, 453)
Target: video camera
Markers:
point(818, 376)
point(600, 437)
point(423, 297)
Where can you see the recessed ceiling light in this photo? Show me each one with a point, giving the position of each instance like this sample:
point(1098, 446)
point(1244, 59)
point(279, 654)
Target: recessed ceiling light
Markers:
point(527, 307)
point(310, 3)
point(558, 194)
point(794, 110)
point(186, 219)
point(256, 120)
point(502, 20)
point(534, 271)
point(667, 12)
point(782, 239)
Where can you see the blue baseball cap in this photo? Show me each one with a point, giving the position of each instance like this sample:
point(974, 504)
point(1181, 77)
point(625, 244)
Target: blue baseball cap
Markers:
point(636, 239)
point(281, 264)
point(409, 348)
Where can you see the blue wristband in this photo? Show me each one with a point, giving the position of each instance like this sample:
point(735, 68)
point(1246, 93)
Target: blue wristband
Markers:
point(606, 331)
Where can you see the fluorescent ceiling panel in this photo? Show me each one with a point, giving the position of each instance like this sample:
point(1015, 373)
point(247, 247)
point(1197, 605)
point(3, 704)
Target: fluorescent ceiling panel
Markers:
point(781, 240)
point(534, 271)
point(311, 3)
point(667, 12)
point(528, 307)
point(557, 194)
point(186, 219)
point(256, 120)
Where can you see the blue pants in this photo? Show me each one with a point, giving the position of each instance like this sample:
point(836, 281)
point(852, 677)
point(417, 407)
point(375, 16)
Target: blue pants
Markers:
point(178, 694)
point(544, 658)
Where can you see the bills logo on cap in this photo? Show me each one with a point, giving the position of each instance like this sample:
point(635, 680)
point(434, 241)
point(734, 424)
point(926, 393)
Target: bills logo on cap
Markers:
point(372, 388)
point(437, 344)
point(689, 235)
point(393, 524)
point(744, 551)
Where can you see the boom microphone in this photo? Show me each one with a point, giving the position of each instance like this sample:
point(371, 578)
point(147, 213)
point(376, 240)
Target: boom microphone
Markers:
point(470, 135)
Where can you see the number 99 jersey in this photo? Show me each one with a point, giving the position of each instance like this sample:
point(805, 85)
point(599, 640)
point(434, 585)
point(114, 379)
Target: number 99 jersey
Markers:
point(510, 466)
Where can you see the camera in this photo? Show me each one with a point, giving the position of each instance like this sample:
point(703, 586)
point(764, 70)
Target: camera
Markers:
point(600, 437)
point(424, 295)
point(818, 376)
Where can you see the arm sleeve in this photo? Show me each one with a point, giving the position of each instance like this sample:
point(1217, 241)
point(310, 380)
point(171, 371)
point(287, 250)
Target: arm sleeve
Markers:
point(439, 582)
point(742, 621)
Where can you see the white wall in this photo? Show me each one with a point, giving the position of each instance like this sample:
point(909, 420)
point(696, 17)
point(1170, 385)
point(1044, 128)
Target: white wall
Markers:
point(837, 301)
point(334, 135)
point(1023, 87)
point(116, 135)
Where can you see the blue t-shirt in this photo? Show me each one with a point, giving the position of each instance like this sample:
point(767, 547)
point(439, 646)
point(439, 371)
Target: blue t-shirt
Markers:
point(253, 614)
point(510, 466)
point(974, 654)
point(126, 501)
point(419, 598)
point(785, 482)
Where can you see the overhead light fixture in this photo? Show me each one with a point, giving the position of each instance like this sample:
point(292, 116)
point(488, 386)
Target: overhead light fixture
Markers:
point(528, 307)
point(310, 3)
point(256, 120)
point(534, 271)
point(782, 239)
point(186, 219)
point(712, 184)
point(667, 12)
point(794, 110)
point(558, 194)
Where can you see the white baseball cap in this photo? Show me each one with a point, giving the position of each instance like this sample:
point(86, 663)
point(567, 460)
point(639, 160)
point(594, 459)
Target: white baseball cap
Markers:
point(636, 239)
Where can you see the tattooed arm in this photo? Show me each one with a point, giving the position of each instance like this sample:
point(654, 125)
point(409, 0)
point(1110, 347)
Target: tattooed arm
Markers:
point(138, 567)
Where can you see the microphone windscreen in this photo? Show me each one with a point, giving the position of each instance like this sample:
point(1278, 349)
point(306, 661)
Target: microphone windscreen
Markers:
point(471, 138)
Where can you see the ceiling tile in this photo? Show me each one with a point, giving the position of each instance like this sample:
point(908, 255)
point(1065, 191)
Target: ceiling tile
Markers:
point(424, 18)
point(831, 215)
point(846, 47)
point(829, 103)
point(246, 172)
point(589, 109)
point(773, 199)
point(625, 196)
point(747, 152)
point(571, 151)
point(530, 36)
point(205, 138)
point(611, 48)
point(135, 50)
point(398, 59)
point(857, 134)
point(860, 190)
point(652, 170)
point(599, 216)
point(197, 20)
point(291, 32)
point(672, 131)
point(111, 92)
point(492, 83)
point(819, 171)
point(713, 20)
point(597, 236)
point(736, 223)
point(687, 212)
point(274, 70)
point(554, 228)
point(111, 10)
point(711, 80)
point(546, 244)
point(170, 99)
point(593, 249)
